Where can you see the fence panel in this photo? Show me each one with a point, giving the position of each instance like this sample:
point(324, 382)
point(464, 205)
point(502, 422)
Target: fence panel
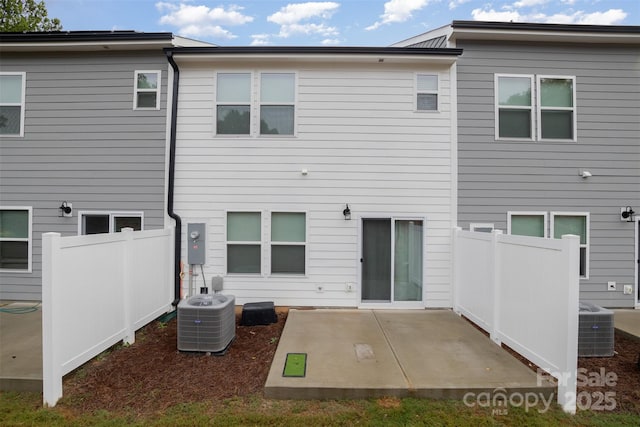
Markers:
point(97, 290)
point(531, 298)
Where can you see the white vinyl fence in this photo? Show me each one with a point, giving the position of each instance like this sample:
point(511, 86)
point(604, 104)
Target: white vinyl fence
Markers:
point(524, 292)
point(96, 291)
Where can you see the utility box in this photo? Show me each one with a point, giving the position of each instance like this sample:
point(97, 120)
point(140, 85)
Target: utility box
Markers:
point(196, 243)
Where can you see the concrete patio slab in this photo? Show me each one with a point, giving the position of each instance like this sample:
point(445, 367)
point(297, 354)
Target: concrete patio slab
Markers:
point(21, 347)
point(424, 353)
point(627, 321)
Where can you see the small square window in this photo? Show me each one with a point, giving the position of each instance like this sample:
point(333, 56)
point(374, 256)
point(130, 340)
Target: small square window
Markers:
point(147, 90)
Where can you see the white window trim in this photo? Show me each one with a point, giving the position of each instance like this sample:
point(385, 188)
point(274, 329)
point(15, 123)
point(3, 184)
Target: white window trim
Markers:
point(228, 242)
point(112, 215)
point(544, 214)
point(21, 104)
point(539, 108)
point(586, 245)
point(474, 225)
point(29, 239)
point(137, 90)
point(306, 246)
point(497, 106)
point(418, 92)
point(259, 103)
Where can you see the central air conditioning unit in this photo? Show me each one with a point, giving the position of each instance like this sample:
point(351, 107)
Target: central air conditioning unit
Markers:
point(595, 331)
point(206, 323)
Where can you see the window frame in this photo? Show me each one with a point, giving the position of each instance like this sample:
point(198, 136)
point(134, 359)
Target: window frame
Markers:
point(539, 108)
point(474, 225)
point(271, 243)
point(29, 239)
point(249, 104)
point(544, 214)
point(497, 107)
point(112, 216)
point(23, 75)
point(586, 245)
point(228, 242)
point(137, 90)
point(259, 103)
point(435, 92)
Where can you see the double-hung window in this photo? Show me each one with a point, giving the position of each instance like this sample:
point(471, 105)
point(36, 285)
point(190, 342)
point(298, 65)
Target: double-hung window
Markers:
point(233, 104)
point(527, 223)
point(552, 102)
point(578, 224)
point(109, 222)
point(244, 237)
point(277, 103)
point(12, 96)
point(288, 237)
point(15, 239)
point(514, 106)
point(427, 92)
point(556, 108)
point(147, 90)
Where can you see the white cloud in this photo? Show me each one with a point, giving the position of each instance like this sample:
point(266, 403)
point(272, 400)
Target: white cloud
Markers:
point(200, 20)
point(455, 3)
point(398, 11)
point(293, 19)
point(492, 15)
point(260, 39)
point(330, 42)
point(609, 17)
point(529, 3)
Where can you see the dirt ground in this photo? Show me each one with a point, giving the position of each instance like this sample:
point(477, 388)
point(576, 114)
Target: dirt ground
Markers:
point(151, 375)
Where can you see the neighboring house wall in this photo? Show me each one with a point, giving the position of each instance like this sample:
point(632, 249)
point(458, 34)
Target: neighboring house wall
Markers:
point(362, 142)
point(496, 177)
point(83, 143)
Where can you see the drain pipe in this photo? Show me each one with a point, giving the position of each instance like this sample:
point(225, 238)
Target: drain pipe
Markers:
point(171, 184)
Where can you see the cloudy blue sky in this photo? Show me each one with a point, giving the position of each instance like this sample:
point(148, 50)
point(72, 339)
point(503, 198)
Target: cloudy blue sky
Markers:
point(345, 22)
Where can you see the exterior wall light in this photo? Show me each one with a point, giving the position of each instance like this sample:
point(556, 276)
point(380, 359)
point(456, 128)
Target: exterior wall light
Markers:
point(66, 209)
point(626, 214)
point(347, 213)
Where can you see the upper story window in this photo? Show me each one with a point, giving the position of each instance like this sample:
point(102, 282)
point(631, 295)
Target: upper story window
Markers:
point(556, 108)
point(15, 239)
point(552, 101)
point(514, 106)
point(12, 95)
point(270, 112)
point(233, 104)
point(147, 90)
point(427, 92)
point(277, 103)
point(109, 222)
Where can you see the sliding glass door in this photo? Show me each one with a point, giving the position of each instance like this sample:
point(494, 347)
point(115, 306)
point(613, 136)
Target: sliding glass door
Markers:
point(391, 259)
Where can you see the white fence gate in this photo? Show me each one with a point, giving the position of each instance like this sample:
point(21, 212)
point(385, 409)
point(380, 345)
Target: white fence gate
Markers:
point(96, 291)
point(524, 292)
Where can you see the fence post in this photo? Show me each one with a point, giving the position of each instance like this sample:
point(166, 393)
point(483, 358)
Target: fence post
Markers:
point(455, 270)
point(567, 389)
point(51, 363)
point(128, 294)
point(496, 280)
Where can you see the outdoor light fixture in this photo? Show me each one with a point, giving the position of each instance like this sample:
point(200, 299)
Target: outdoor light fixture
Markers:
point(347, 213)
point(626, 214)
point(66, 209)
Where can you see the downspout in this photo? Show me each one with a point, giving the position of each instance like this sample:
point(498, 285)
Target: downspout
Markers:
point(171, 184)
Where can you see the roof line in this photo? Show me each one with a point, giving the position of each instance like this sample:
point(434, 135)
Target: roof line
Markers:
point(334, 50)
point(83, 36)
point(488, 25)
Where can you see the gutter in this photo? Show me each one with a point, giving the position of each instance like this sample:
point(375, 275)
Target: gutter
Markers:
point(171, 184)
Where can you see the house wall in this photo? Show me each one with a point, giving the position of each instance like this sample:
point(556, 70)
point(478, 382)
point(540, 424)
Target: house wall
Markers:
point(500, 176)
point(83, 143)
point(362, 142)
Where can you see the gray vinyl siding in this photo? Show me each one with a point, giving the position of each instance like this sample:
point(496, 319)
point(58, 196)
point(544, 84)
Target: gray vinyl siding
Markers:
point(83, 143)
point(500, 176)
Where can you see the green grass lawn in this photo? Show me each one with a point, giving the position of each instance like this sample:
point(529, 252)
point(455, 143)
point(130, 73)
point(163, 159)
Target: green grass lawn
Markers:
point(25, 409)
